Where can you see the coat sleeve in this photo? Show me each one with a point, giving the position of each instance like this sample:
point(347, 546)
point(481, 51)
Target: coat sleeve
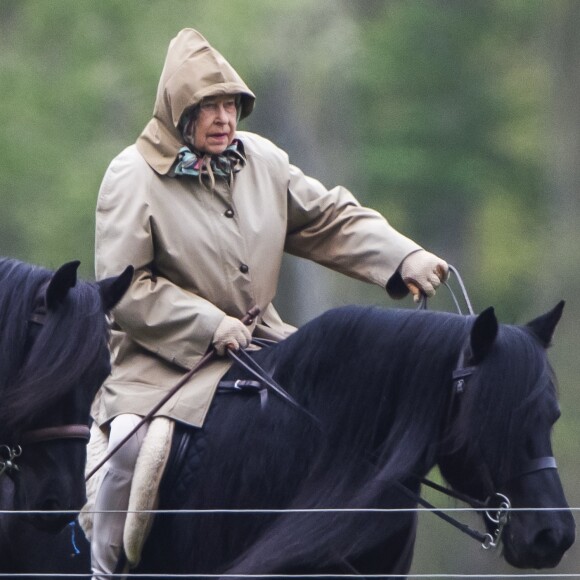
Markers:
point(331, 228)
point(155, 313)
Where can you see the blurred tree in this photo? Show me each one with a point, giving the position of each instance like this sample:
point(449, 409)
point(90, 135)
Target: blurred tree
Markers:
point(77, 82)
point(448, 125)
point(558, 273)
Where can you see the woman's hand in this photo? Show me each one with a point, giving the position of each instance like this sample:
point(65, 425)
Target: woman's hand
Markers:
point(231, 334)
point(423, 272)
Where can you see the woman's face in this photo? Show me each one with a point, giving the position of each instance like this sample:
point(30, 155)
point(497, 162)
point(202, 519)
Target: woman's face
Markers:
point(214, 128)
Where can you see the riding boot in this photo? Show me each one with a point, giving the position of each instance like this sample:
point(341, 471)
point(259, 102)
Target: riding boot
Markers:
point(112, 498)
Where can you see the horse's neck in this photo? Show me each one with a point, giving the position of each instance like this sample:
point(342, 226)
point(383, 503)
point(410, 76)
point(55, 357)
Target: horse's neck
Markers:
point(411, 420)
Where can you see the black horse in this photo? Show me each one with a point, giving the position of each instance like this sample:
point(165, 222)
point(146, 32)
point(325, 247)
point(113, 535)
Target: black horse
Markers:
point(54, 355)
point(378, 409)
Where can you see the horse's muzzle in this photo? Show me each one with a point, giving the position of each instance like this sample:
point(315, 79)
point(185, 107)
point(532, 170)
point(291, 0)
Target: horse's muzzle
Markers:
point(52, 523)
point(544, 548)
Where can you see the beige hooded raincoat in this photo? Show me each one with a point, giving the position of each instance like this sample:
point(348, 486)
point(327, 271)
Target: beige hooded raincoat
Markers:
point(202, 253)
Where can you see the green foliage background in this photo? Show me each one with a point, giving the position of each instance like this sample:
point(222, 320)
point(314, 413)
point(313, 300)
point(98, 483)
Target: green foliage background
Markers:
point(454, 118)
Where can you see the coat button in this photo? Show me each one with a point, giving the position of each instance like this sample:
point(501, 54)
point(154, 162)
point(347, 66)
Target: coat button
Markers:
point(229, 213)
point(244, 269)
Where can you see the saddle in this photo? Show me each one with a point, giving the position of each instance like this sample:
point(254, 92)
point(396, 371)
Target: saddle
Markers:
point(168, 463)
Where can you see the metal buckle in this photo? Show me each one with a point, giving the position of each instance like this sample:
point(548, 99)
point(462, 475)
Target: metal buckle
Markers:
point(499, 517)
point(8, 465)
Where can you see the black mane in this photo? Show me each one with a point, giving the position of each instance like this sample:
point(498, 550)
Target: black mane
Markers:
point(362, 371)
point(399, 393)
point(406, 358)
point(395, 351)
point(33, 377)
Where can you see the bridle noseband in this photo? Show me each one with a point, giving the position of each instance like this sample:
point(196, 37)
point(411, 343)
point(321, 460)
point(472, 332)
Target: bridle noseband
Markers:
point(71, 431)
point(10, 453)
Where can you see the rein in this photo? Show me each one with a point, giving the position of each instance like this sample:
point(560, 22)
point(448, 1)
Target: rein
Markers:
point(423, 301)
point(248, 363)
point(497, 515)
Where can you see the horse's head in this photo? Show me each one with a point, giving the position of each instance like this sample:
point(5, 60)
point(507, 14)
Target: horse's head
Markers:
point(64, 358)
point(499, 436)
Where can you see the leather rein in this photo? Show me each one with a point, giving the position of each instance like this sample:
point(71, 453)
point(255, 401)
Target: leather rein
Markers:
point(9, 453)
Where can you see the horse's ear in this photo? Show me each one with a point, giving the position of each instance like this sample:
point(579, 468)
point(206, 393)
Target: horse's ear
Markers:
point(543, 326)
point(61, 282)
point(483, 334)
point(113, 289)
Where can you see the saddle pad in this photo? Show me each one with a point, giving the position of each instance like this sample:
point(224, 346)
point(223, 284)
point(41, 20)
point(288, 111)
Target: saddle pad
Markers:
point(184, 465)
point(144, 488)
point(96, 450)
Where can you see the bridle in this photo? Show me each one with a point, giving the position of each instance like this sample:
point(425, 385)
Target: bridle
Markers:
point(497, 506)
point(70, 431)
point(9, 453)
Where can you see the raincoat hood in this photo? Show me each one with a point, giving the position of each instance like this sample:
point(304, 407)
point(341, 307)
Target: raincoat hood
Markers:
point(193, 70)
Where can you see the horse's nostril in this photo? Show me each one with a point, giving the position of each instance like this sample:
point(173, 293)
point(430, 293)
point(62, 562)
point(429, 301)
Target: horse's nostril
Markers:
point(546, 538)
point(549, 540)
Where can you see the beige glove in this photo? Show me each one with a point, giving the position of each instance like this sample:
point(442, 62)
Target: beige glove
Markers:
point(231, 333)
point(422, 272)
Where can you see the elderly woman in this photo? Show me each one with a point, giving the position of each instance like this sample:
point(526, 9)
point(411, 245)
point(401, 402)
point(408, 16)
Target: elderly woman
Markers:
point(204, 213)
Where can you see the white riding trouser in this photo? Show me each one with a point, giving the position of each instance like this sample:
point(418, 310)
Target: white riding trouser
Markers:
point(113, 494)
